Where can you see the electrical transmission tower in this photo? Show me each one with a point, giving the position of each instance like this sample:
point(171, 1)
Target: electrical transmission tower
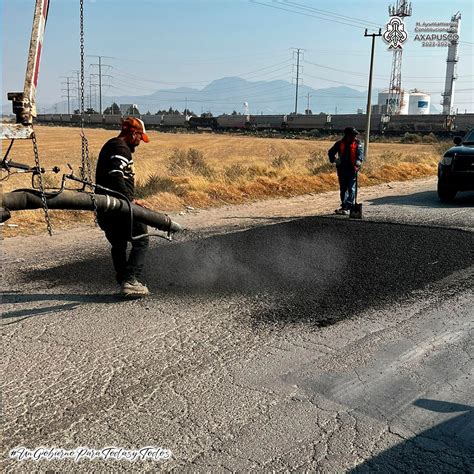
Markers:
point(67, 90)
point(296, 53)
point(100, 65)
point(401, 10)
point(451, 63)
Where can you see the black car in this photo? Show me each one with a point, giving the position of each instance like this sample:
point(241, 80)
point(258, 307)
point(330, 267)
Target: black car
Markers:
point(456, 168)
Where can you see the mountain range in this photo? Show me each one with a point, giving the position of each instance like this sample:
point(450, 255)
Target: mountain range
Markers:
point(230, 93)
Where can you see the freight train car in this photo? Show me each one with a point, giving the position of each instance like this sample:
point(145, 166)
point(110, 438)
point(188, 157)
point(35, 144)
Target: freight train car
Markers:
point(196, 123)
point(418, 123)
point(232, 122)
point(463, 122)
point(174, 120)
point(94, 119)
point(152, 120)
point(112, 119)
point(340, 122)
point(307, 122)
point(273, 122)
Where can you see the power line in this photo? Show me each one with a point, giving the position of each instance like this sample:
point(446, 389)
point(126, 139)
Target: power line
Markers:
point(382, 76)
point(337, 82)
point(354, 25)
point(145, 79)
point(250, 87)
point(194, 61)
point(331, 15)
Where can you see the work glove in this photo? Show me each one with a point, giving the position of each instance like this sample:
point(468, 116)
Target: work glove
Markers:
point(357, 165)
point(337, 161)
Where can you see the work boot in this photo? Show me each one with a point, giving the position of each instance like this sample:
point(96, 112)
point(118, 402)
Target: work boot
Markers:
point(132, 288)
point(341, 212)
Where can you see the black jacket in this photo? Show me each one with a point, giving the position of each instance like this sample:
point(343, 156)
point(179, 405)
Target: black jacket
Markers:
point(115, 168)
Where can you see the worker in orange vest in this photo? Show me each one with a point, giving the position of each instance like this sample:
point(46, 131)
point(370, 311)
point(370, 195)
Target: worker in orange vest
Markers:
point(347, 154)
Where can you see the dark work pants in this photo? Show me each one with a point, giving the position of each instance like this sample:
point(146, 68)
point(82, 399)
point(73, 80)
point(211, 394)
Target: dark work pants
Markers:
point(117, 232)
point(347, 186)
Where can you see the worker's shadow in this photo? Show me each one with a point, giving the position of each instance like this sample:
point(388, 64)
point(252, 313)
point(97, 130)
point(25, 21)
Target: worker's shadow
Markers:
point(448, 445)
point(69, 302)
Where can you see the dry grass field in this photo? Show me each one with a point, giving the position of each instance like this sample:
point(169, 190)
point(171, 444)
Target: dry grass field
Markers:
point(202, 170)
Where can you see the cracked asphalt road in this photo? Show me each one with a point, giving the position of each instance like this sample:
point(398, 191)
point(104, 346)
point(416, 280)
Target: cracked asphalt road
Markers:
point(270, 343)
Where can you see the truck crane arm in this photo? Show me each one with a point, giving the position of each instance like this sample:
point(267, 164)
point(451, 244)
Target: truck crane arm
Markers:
point(24, 103)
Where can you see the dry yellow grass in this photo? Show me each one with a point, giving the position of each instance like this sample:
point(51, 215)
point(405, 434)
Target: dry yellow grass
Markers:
point(242, 168)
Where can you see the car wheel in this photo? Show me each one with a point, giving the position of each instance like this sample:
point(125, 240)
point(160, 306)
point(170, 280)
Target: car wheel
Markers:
point(446, 193)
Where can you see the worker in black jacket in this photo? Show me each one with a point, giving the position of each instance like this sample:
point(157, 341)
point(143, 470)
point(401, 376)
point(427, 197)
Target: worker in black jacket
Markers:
point(347, 154)
point(115, 171)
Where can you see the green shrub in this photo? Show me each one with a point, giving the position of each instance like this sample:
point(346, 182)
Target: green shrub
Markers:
point(191, 162)
point(318, 162)
point(156, 184)
point(235, 172)
point(177, 163)
point(430, 138)
point(283, 160)
point(411, 138)
point(254, 171)
point(390, 157)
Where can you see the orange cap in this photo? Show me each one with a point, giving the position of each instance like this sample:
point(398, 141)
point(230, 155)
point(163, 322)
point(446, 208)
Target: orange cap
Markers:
point(135, 125)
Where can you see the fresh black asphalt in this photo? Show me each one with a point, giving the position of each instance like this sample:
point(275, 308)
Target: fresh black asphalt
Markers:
point(313, 271)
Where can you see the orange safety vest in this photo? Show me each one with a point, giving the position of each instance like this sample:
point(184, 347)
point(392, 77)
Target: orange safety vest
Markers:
point(353, 151)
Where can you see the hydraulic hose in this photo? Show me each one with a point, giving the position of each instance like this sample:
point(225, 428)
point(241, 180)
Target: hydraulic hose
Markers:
point(74, 200)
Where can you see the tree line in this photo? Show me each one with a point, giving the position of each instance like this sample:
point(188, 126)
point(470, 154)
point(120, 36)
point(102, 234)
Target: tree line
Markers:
point(133, 110)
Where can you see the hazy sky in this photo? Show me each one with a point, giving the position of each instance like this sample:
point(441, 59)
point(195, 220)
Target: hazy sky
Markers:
point(156, 44)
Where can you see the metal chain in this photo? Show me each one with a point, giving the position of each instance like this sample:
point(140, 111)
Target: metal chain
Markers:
point(86, 169)
point(40, 174)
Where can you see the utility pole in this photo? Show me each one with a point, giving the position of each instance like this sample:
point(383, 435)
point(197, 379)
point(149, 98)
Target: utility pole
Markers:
point(307, 108)
point(78, 89)
point(67, 90)
point(92, 102)
point(297, 52)
point(369, 92)
point(100, 85)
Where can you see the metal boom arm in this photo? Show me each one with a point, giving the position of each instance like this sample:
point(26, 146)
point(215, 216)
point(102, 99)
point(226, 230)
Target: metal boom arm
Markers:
point(24, 103)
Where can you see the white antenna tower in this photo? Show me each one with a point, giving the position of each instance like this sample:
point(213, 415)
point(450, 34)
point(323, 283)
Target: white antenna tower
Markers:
point(401, 10)
point(451, 65)
point(247, 110)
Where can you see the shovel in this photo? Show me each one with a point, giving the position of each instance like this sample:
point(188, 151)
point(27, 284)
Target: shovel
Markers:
point(356, 209)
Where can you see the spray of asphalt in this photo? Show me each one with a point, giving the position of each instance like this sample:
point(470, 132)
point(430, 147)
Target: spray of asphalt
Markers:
point(273, 258)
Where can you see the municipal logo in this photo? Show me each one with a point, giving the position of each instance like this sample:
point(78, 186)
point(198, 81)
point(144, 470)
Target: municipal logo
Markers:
point(395, 34)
